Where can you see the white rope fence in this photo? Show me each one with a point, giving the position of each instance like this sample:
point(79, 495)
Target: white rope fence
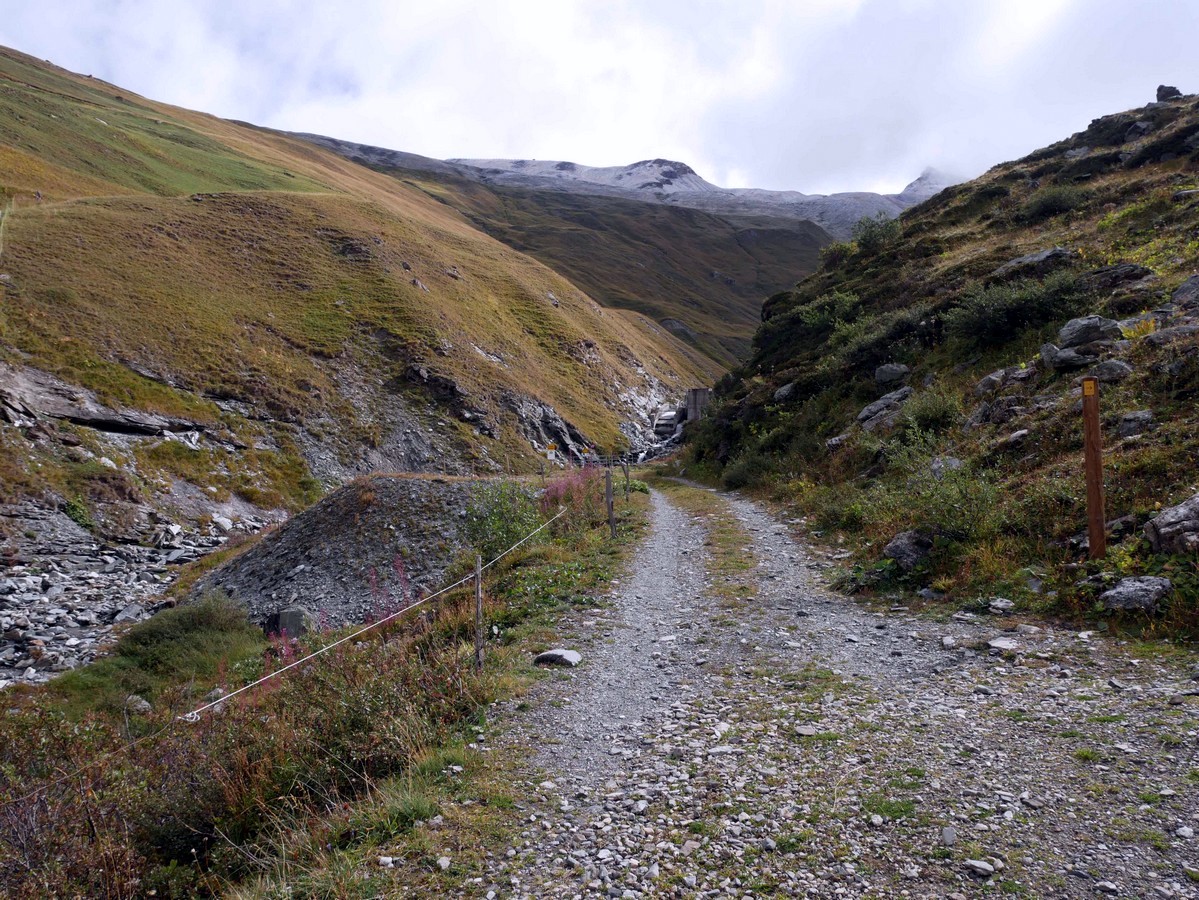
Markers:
point(194, 716)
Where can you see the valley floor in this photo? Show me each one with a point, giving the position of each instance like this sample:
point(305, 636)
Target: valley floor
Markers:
point(790, 741)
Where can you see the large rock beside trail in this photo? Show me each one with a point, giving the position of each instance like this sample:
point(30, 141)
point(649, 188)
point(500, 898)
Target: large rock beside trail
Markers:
point(909, 548)
point(1143, 593)
point(362, 552)
point(1175, 530)
point(558, 657)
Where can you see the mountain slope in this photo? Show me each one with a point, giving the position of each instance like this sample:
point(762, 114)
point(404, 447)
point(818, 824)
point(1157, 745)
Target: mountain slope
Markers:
point(922, 379)
point(299, 313)
point(700, 275)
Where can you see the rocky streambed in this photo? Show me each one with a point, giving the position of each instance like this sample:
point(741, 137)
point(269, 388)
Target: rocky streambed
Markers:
point(62, 591)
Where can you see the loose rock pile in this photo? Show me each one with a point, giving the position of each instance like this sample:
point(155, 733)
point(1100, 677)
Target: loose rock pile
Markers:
point(64, 592)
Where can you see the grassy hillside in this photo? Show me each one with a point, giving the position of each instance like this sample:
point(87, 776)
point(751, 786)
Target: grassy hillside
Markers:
point(928, 292)
point(310, 310)
point(700, 275)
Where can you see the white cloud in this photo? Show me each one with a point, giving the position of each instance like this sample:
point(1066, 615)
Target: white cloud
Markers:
point(816, 96)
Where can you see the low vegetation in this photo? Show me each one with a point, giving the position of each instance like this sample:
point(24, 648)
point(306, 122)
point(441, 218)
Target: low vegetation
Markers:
point(992, 473)
point(307, 779)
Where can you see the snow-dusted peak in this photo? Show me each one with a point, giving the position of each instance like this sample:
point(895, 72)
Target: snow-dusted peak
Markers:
point(656, 176)
point(931, 182)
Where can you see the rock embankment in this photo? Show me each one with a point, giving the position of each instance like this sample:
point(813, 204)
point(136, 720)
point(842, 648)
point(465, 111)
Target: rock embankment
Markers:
point(357, 554)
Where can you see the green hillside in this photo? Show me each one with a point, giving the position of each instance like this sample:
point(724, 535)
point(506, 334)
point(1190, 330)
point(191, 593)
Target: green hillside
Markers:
point(317, 315)
point(700, 275)
point(938, 292)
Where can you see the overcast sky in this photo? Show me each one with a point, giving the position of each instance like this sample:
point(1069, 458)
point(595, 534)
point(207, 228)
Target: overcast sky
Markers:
point(809, 95)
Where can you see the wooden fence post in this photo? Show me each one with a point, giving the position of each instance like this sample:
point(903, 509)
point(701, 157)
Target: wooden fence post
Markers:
point(1093, 450)
point(478, 614)
point(608, 500)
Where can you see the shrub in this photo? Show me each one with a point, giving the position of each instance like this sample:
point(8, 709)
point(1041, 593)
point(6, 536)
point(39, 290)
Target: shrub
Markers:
point(749, 468)
point(836, 253)
point(874, 234)
point(993, 315)
point(499, 514)
point(1052, 201)
point(77, 511)
point(934, 410)
point(829, 310)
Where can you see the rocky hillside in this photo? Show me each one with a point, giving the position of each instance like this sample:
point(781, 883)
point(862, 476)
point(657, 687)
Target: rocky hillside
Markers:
point(924, 383)
point(202, 317)
point(359, 554)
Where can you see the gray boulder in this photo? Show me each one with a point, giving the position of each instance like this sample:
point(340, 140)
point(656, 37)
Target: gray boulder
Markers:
point(909, 548)
point(1054, 357)
point(1036, 264)
point(1088, 330)
point(784, 393)
point(291, 621)
point(1134, 423)
point(1170, 335)
point(1108, 278)
point(942, 464)
point(558, 657)
point(883, 412)
point(1186, 295)
point(1167, 92)
point(1175, 530)
point(1112, 370)
point(891, 373)
point(989, 384)
point(1141, 593)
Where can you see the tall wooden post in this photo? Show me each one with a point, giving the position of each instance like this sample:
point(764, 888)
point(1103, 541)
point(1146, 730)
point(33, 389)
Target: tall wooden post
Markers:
point(478, 614)
point(1093, 449)
point(608, 500)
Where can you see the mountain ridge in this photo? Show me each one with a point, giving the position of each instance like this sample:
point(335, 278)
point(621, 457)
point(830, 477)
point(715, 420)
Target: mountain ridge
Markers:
point(657, 181)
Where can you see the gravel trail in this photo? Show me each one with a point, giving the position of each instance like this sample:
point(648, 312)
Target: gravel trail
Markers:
point(796, 743)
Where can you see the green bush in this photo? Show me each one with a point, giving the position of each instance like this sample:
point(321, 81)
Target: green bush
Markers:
point(829, 310)
point(934, 410)
point(836, 253)
point(1052, 201)
point(499, 514)
point(993, 315)
point(747, 469)
point(873, 234)
point(77, 511)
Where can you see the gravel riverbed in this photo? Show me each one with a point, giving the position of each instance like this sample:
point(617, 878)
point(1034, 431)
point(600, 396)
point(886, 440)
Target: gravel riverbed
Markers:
point(798, 743)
